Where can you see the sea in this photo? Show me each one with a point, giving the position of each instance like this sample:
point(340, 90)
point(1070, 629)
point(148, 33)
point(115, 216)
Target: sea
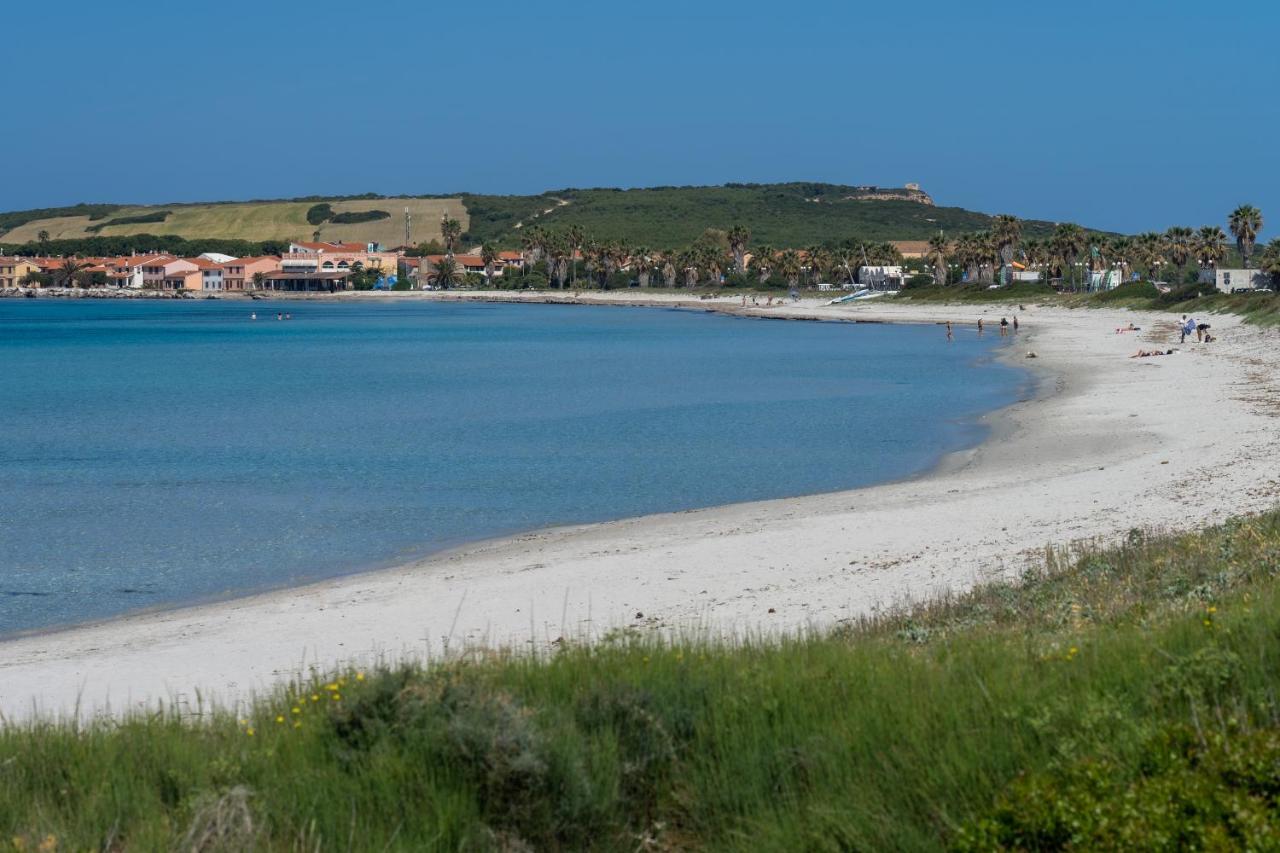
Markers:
point(161, 453)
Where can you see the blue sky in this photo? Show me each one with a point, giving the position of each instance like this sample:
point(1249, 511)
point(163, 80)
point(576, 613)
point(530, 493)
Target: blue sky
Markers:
point(1123, 115)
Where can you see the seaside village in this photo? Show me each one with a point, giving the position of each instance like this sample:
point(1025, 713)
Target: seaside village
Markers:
point(320, 267)
point(306, 267)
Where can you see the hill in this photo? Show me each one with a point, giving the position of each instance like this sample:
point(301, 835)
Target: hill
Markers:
point(791, 214)
point(255, 220)
point(795, 214)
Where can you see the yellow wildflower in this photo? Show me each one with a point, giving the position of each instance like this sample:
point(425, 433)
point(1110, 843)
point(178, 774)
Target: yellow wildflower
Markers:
point(1213, 610)
point(315, 697)
point(331, 686)
point(249, 731)
point(279, 718)
point(337, 696)
point(296, 710)
point(359, 676)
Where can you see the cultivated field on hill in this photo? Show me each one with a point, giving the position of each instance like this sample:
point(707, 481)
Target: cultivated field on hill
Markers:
point(276, 220)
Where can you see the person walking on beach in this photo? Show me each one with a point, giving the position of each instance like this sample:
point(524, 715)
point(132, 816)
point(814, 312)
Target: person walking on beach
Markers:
point(1188, 326)
point(1004, 326)
point(1015, 324)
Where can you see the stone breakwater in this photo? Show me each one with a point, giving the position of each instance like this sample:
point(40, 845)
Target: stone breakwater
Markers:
point(99, 293)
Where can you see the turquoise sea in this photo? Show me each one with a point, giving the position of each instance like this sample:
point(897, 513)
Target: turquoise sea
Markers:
point(157, 453)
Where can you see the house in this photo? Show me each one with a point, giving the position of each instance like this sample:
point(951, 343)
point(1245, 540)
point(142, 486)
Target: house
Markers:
point(238, 274)
point(183, 279)
point(128, 271)
point(158, 267)
point(307, 280)
point(1232, 281)
point(13, 270)
point(331, 257)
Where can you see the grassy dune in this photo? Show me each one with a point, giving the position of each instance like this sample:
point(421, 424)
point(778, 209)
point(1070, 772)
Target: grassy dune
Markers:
point(284, 220)
point(1118, 698)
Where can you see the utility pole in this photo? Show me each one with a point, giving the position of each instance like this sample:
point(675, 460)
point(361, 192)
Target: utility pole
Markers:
point(408, 219)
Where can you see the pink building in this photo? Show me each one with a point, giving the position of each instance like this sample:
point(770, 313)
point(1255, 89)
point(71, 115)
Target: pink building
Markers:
point(239, 274)
point(334, 257)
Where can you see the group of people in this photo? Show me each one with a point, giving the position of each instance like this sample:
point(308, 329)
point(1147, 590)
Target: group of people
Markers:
point(279, 316)
point(1005, 326)
point(1200, 330)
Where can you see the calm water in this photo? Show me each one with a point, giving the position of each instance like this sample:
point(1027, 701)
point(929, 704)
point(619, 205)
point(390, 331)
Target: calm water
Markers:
point(154, 452)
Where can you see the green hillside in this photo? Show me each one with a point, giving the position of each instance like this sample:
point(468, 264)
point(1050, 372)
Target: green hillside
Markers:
point(796, 214)
point(792, 214)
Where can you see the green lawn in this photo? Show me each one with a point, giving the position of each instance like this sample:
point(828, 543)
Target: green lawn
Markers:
point(1121, 698)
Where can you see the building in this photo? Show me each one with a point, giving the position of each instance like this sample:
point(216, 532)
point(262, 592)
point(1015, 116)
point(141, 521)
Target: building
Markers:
point(238, 274)
point(332, 257)
point(881, 277)
point(13, 270)
point(307, 280)
point(159, 267)
point(183, 279)
point(129, 272)
point(1232, 281)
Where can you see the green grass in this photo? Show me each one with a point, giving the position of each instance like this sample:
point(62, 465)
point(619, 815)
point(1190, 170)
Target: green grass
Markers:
point(1121, 698)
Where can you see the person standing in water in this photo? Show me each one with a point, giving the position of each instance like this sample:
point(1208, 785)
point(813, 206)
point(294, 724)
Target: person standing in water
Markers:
point(949, 335)
point(253, 316)
point(1004, 326)
point(1015, 324)
point(979, 327)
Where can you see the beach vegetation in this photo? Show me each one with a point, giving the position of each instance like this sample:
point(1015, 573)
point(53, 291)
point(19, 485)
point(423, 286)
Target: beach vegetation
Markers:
point(1100, 697)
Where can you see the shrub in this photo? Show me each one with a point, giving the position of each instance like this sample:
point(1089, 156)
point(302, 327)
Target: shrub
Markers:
point(318, 214)
point(350, 217)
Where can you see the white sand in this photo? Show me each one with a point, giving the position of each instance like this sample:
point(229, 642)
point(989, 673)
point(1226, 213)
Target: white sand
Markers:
point(1114, 443)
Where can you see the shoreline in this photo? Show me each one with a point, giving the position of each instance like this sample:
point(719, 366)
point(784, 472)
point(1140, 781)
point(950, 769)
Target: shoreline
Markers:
point(768, 567)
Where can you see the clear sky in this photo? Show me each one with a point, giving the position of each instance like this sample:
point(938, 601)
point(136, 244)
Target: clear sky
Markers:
point(1127, 114)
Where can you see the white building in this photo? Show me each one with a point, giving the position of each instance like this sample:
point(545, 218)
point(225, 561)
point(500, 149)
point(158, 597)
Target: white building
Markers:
point(1231, 281)
point(881, 278)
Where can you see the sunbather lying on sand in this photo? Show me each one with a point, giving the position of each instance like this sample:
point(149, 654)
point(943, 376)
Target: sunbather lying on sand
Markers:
point(1147, 353)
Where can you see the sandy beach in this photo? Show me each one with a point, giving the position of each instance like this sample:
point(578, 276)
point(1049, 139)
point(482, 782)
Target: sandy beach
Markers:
point(1109, 444)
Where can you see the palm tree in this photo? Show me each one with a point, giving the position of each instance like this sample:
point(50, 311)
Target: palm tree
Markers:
point(819, 263)
point(1121, 253)
point(1069, 241)
point(574, 237)
point(489, 254)
point(259, 279)
point(687, 261)
point(66, 274)
point(710, 262)
point(968, 251)
point(642, 263)
point(790, 266)
point(845, 259)
point(762, 260)
point(937, 255)
point(1006, 233)
point(450, 231)
point(668, 268)
point(533, 240)
point(445, 273)
point(1270, 261)
point(1210, 245)
point(1178, 242)
point(42, 235)
point(555, 249)
point(1245, 223)
point(1148, 253)
point(739, 237)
